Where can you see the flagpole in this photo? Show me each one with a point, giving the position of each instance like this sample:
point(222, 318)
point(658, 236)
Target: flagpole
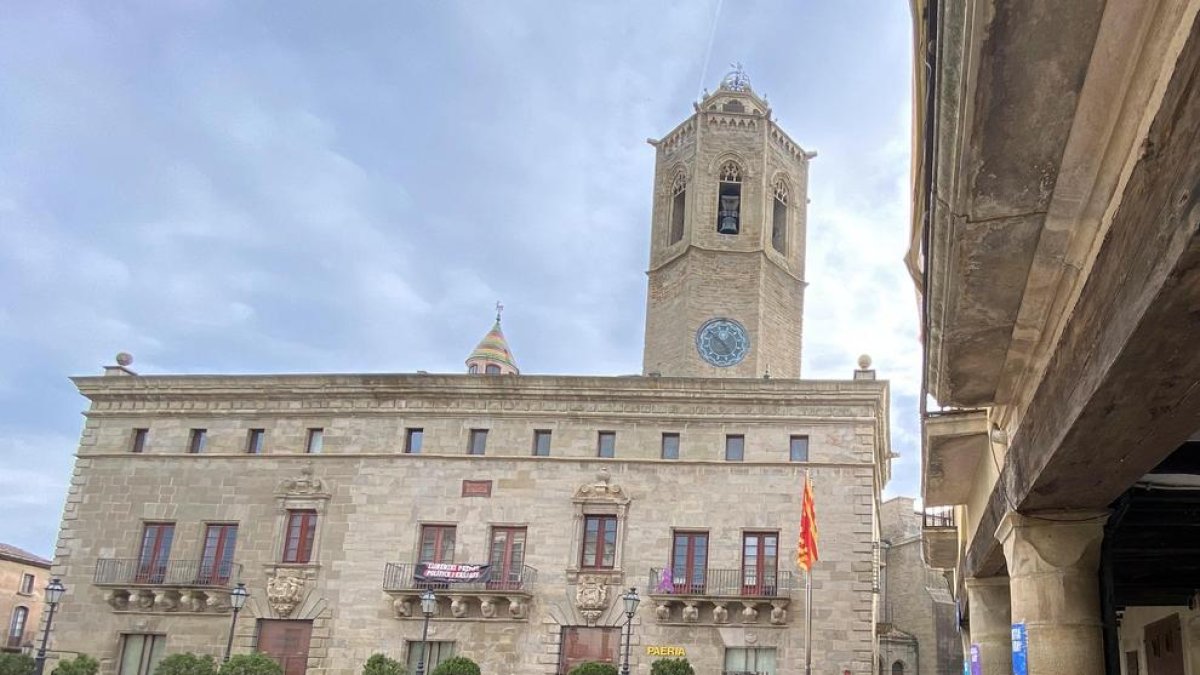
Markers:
point(808, 623)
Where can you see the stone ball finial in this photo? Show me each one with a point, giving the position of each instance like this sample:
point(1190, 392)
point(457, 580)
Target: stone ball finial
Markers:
point(124, 359)
point(864, 362)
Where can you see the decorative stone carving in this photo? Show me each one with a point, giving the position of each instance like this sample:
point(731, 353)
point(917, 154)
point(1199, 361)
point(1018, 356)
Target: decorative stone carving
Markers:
point(720, 613)
point(193, 601)
point(602, 489)
point(517, 607)
point(487, 607)
point(591, 597)
point(458, 606)
point(778, 614)
point(284, 592)
point(749, 612)
point(145, 600)
point(691, 613)
point(402, 607)
point(304, 484)
point(663, 611)
point(117, 599)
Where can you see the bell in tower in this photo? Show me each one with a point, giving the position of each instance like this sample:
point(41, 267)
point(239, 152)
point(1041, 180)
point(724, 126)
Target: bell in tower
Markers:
point(726, 277)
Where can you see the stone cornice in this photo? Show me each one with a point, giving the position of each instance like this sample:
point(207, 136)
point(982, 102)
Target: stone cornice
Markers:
point(476, 459)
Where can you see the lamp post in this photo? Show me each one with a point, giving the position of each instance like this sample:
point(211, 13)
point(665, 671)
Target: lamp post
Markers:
point(428, 607)
point(631, 604)
point(54, 593)
point(237, 600)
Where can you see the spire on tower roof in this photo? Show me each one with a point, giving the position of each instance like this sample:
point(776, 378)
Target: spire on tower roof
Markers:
point(736, 79)
point(493, 356)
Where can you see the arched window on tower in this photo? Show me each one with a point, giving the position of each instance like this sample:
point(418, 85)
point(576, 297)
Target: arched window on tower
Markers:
point(898, 668)
point(729, 198)
point(472, 369)
point(779, 219)
point(678, 202)
point(492, 369)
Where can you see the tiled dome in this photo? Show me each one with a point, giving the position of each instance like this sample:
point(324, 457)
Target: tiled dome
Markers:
point(493, 351)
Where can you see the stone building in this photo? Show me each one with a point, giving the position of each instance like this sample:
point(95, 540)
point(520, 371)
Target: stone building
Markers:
point(338, 499)
point(1056, 248)
point(23, 577)
point(918, 619)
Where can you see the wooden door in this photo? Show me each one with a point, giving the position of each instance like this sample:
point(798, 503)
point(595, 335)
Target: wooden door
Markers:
point(581, 644)
point(1164, 647)
point(689, 562)
point(286, 642)
point(216, 563)
point(507, 557)
point(760, 560)
point(155, 551)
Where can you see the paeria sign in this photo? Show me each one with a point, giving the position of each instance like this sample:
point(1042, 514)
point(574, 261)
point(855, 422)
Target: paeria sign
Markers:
point(658, 650)
point(450, 573)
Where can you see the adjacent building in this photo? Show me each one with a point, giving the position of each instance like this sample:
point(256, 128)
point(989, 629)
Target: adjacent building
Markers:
point(23, 576)
point(1057, 253)
point(339, 499)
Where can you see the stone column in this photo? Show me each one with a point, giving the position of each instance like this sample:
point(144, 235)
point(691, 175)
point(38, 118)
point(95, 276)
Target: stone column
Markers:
point(991, 627)
point(1053, 560)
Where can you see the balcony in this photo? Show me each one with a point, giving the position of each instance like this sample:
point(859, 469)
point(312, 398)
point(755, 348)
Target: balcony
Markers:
point(939, 537)
point(192, 586)
point(955, 443)
point(708, 600)
point(496, 597)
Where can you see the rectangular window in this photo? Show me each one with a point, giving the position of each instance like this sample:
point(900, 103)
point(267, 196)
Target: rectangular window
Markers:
point(197, 441)
point(254, 441)
point(413, 438)
point(298, 539)
point(670, 446)
point(216, 563)
point(760, 563)
point(750, 661)
point(677, 213)
point(606, 444)
point(155, 550)
point(729, 206)
point(16, 627)
point(507, 558)
point(438, 651)
point(477, 442)
point(316, 441)
point(139, 441)
point(798, 449)
point(735, 448)
point(437, 544)
point(689, 562)
point(599, 542)
point(140, 653)
point(27, 584)
point(779, 225)
point(541, 443)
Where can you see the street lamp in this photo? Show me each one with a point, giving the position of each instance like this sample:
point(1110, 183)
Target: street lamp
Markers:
point(429, 605)
point(631, 604)
point(54, 593)
point(237, 600)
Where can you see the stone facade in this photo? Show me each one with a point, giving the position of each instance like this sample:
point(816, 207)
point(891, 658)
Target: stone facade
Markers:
point(23, 578)
point(372, 498)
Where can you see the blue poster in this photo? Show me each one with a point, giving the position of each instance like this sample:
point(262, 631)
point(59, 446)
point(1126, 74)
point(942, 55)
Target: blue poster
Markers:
point(1020, 653)
point(976, 662)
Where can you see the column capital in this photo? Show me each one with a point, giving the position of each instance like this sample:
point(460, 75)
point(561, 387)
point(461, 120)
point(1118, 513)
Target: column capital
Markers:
point(1051, 540)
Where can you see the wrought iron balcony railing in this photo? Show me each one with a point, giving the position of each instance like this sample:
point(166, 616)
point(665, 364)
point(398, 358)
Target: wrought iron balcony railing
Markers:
point(193, 573)
point(400, 577)
point(723, 583)
point(938, 516)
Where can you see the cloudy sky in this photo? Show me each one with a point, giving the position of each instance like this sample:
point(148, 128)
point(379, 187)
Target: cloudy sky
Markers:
point(238, 186)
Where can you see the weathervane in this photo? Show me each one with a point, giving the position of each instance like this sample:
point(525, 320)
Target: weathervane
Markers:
point(499, 310)
point(736, 79)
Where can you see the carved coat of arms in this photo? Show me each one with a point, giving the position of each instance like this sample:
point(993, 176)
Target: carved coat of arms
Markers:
point(284, 592)
point(591, 597)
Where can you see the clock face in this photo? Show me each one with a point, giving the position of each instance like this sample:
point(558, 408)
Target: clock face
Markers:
point(722, 342)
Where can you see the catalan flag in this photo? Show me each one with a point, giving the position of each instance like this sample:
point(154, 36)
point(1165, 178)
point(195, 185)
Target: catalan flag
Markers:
point(806, 547)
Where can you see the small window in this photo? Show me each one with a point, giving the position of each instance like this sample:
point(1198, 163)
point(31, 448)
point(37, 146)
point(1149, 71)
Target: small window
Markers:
point(729, 199)
point(670, 446)
point(753, 660)
point(254, 441)
point(197, 441)
point(413, 438)
point(735, 448)
point(798, 449)
point(140, 653)
point(438, 651)
point(898, 668)
point(541, 443)
point(779, 217)
point(27, 584)
point(139, 441)
point(298, 540)
point(492, 369)
point(473, 369)
point(316, 441)
point(477, 443)
point(16, 627)
point(606, 444)
point(437, 544)
point(599, 542)
point(678, 204)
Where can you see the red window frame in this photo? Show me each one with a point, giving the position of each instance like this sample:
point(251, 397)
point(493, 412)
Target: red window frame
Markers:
point(689, 574)
point(299, 536)
point(508, 563)
point(154, 552)
point(760, 563)
point(596, 531)
point(438, 536)
point(216, 562)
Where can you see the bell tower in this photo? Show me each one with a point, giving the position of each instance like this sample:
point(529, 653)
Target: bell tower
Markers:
point(726, 277)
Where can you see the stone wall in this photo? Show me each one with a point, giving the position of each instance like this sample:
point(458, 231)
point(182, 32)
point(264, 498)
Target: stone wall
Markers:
point(11, 597)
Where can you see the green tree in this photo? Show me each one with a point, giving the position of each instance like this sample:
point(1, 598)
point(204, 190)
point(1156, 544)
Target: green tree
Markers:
point(671, 667)
point(186, 663)
point(16, 664)
point(594, 668)
point(456, 665)
point(380, 664)
point(80, 665)
point(255, 663)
